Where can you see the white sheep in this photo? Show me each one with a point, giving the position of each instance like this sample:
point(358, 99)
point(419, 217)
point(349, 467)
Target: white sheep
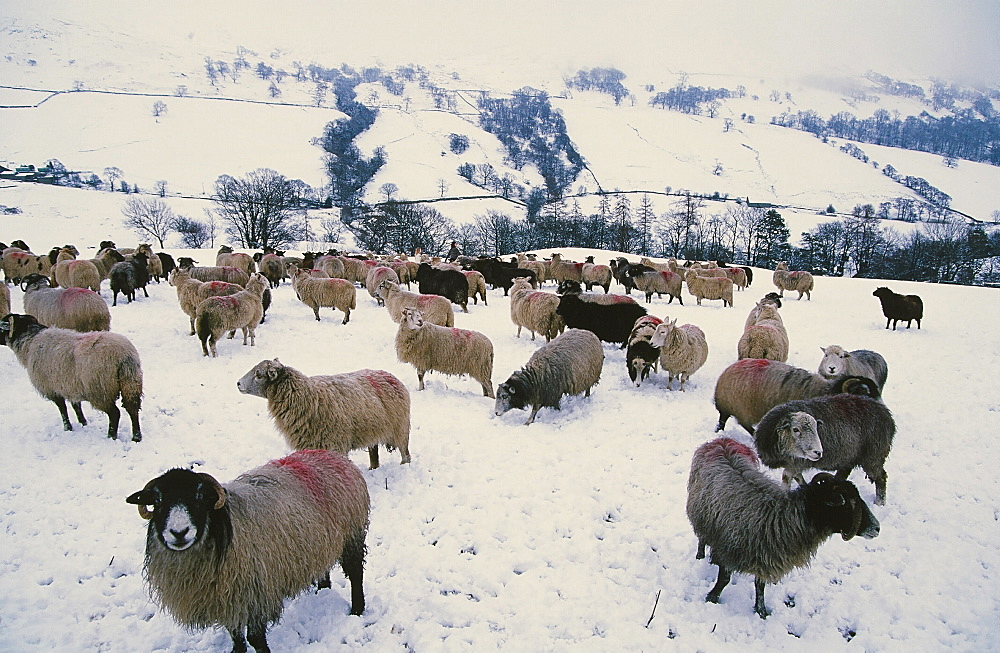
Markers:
point(710, 288)
point(340, 412)
point(230, 554)
point(192, 292)
point(97, 366)
point(242, 310)
point(766, 337)
point(535, 310)
point(75, 273)
point(435, 308)
point(860, 362)
point(448, 350)
point(79, 309)
point(683, 350)
point(324, 292)
point(377, 275)
point(798, 280)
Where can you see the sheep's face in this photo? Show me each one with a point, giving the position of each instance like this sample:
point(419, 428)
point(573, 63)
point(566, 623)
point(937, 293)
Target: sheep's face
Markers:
point(835, 505)
point(412, 319)
point(833, 363)
point(509, 395)
point(798, 436)
point(256, 381)
point(178, 505)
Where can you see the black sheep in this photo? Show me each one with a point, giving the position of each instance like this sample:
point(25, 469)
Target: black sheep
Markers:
point(128, 276)
point(450, 284)
point(896, 307)
point(609, 322)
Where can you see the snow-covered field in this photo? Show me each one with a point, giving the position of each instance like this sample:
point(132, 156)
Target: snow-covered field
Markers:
point(568, 534)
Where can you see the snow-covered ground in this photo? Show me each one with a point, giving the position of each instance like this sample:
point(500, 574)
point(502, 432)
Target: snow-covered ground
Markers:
point(568, 534)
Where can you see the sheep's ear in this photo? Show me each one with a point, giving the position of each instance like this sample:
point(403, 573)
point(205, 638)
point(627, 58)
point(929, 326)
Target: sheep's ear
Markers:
point(784, 424)
point(847, 354)
point(142, 498)
point(822, 349)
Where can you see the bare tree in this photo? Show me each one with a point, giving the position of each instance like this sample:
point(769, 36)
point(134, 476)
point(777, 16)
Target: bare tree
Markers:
point(113, 174)
point(151, 217)
point(443, 187)
point(388, 189)
point(159, 108)
point(161, 187)
point(260, 210)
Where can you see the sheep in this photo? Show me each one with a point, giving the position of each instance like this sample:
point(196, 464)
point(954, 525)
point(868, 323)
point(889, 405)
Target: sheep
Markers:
point(595, 274)
point(772, 298)
point(538, 267)
point(710, 288)
point(331, 293)
point(5, 299)
point(749, 388)
point(570, 364)
point(451, 284)
point(242, 310)
point(799, 281)
point(560, 270)
point(535, 310)
point(453, 351)
point(79, 309)
point(105, 260)
point(477, 286)
point(860, 362)
point(332, 265)
point(76, 274)
point(153, 263)
point(570, 287)
point(766, 337)
point(623, 271)
point(192, 292)
point(226, 257)
point(434, 308)
point(501, 275)
point(17, 264)
point(97, 366)
point(896, 307)
point(836, 432)
point(640, 356)
point(611, 323)
point(737, 276)
point(228, 274)
point(659, 282)
point(377, 275)
point(355, 270)
point(270, 266)
point(128, 276)
point(167, 263)
point(683, 350)
point(339, 412)
point(754, 525)
point(230, 554)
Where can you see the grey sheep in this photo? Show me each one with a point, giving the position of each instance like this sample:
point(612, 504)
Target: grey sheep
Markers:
point(754, 525)
point(568, 365)
point(75, 273)
point(226, 257)
point(435, 308)
point(128, 276)
point(356, 270)
point(272, 267)
point(79, 309)
point(228, 274)
point(798, 280)
point(453, 351)
point(683, 350)
point(339, 412)
point(749, 388)
point(837, 433)
point(242, 310)
point(766, 337)
point(377, 275)
point(860, 362)
point(560, 270)
point(97, 366)
point(538, 267)
point(595, 274)
point(710, 288)
point(477, 285)
point(230, 554)
point(660, 282)
point(192, 292)
point(331, 293)
point(535, 310)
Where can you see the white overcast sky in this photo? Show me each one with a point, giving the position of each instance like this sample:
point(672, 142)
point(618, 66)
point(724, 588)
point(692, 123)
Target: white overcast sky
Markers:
point(952, 39)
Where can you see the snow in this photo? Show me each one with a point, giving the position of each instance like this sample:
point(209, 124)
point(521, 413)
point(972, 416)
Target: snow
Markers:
point(563, 534)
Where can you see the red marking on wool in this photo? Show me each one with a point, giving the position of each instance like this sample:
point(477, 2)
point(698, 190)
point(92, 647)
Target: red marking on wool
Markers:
point(301, 465)
point(226, 302)
point(379, 379)
point(798, 274)
point(461, 334)
point(728, 448)
point(753, 364)
point(423, 300)
point(70, 295)
point(216, 286)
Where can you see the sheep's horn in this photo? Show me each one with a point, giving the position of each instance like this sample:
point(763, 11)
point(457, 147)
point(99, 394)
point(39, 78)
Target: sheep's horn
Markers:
point(208, 478)
point(145, 512)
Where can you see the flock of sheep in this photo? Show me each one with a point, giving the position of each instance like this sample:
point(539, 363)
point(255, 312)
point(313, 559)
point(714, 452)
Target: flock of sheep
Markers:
point(316, 501)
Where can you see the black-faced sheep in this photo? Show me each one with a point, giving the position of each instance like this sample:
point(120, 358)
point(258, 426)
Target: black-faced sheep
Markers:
point(641, 357)
point(332, 293)
point(535, 310)
point(710, 288)
point(610, 323)
point(683, 350)
point(434, 308)
point(771, 298)
point(271, 266)
point(79, 309)
point(860, 362)
point(568, 365)
point(97, 366)
point(798, 280)
point(191, 292)
point(339, 412)
point(451, 284)
point(837, 433)
point(754, 525)
point(749, 388)
point(766, 337)
point(127, 277)
point(448, 350)
point(896, 307)
point(230, 554)
point(153, 263)
point(242, 310)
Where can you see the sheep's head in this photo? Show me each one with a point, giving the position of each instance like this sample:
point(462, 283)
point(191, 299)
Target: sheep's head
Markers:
point(856, 385)
point(834, 361)
point(798, 436)
point(12, 326)
point(835, 505)
point(510, 394)
point(640, 358)
point(178, 505)
point(663, 332)
point(256, 381)
point(35, 280)
point(567, 287)
point(412, 319)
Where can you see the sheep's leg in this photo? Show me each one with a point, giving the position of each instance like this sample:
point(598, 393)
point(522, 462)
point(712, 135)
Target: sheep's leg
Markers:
point(144, 289)
point(878, 477)
point(61, 405)
point(239, 641)
point(347, 315)
point(420, 378)
point(758, 602)
point(352, 561)
point(701, 550)
point(373, 457)
point(257, 636)
point(78, 409)
point(253, 335)
point(316, 312)
point(324, 582)
point(114, 417)
point(720, 584)
point(531, 418)
point(132, 408)
point(232, 334)
point(723, 418)
point(192, 327)
point(488, 389)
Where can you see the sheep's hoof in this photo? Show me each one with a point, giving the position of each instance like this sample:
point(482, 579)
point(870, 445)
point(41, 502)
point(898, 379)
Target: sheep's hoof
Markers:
point(137, 437)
